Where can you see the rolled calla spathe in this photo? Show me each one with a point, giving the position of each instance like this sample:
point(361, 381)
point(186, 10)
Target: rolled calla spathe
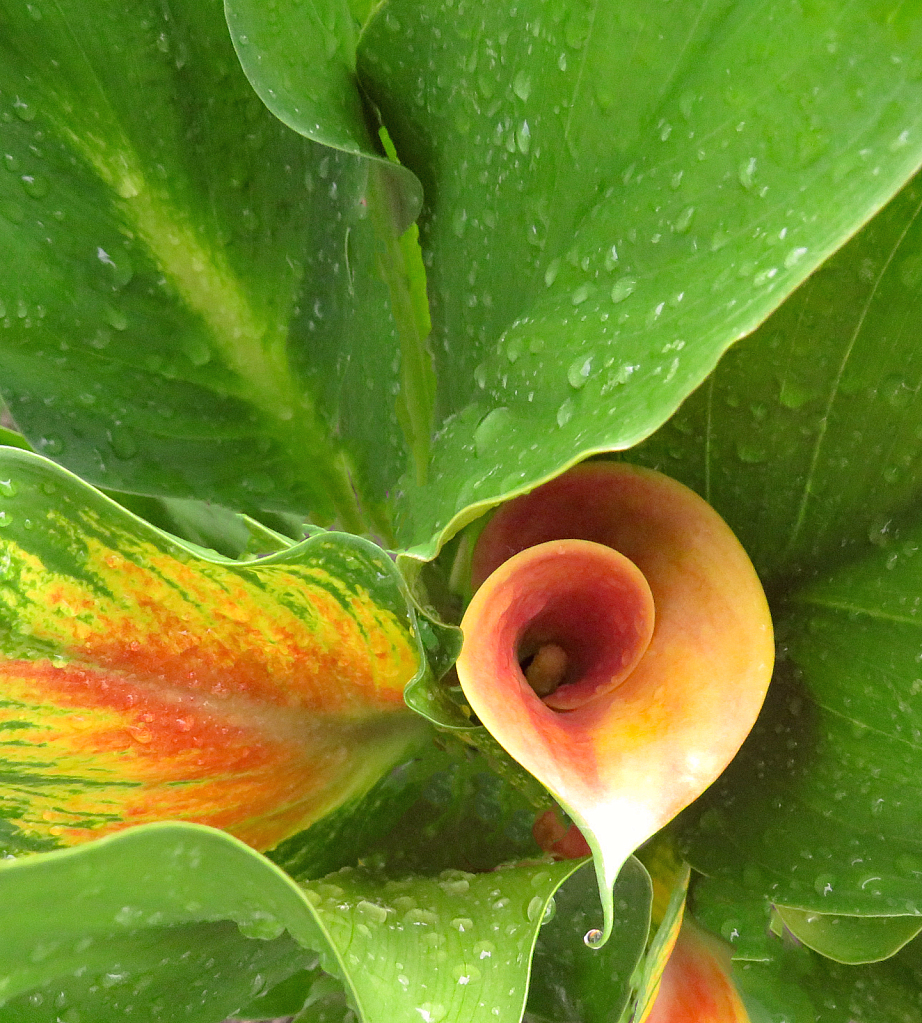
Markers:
point(618, 646)
point(142, 681)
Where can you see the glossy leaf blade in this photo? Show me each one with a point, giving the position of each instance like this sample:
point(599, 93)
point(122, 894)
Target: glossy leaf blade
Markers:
point(614, 195)
point(820, 811)
point(801, 985)
point(142, 681)
point(162, 876)
point(190, 291)
point(806, 437)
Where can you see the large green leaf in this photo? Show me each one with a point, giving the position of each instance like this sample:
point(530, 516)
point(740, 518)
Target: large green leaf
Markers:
point(806, 437)
point(457, 945)
point(801, 987)
point(822, 809)
point(190, 291)
point(614, 194)
point(144, 679)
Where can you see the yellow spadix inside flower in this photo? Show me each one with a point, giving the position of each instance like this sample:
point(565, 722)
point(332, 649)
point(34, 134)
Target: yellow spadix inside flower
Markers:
point(659, 636)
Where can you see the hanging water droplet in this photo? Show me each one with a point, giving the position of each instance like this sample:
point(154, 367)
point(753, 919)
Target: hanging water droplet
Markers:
point(593, 938)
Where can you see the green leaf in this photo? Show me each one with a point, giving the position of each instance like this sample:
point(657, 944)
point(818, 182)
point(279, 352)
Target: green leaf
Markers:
point(461, 942)
point(821, 809)
point(144, 679)
point(442, 809)
point(570, 983)
point(851, 940)
point(458, 946)
point(614, 194)
point(801, 986)
point(203, 314)
point(135, 914)
point(300, 59)
point(806, 437)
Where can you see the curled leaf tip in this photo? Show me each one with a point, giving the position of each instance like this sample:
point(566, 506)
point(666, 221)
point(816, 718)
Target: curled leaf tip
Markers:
point(619, 646)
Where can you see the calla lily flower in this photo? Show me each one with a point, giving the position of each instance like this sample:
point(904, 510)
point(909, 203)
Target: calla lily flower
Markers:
point(618, 646)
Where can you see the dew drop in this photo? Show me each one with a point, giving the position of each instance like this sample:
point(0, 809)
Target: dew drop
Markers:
point(521, 85)
point(8, 488)
point(622, 288)
point(751, 454)
point(523, 137)
point(462, 924)
point(35, 185)
point(793, 394)
point(23, 110)
point(123, 443)
point(746, 173)
point(491, 429)
point(794, 257)
point(683, 221)
point(579, 371)
point(550, 274)
point(824, 884)
point(565, 412)
point(535, 908)
point(51, 445)
point(580, 294)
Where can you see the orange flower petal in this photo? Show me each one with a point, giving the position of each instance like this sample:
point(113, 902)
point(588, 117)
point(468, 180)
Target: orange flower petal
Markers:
point(623, 754)
point(696, 985)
